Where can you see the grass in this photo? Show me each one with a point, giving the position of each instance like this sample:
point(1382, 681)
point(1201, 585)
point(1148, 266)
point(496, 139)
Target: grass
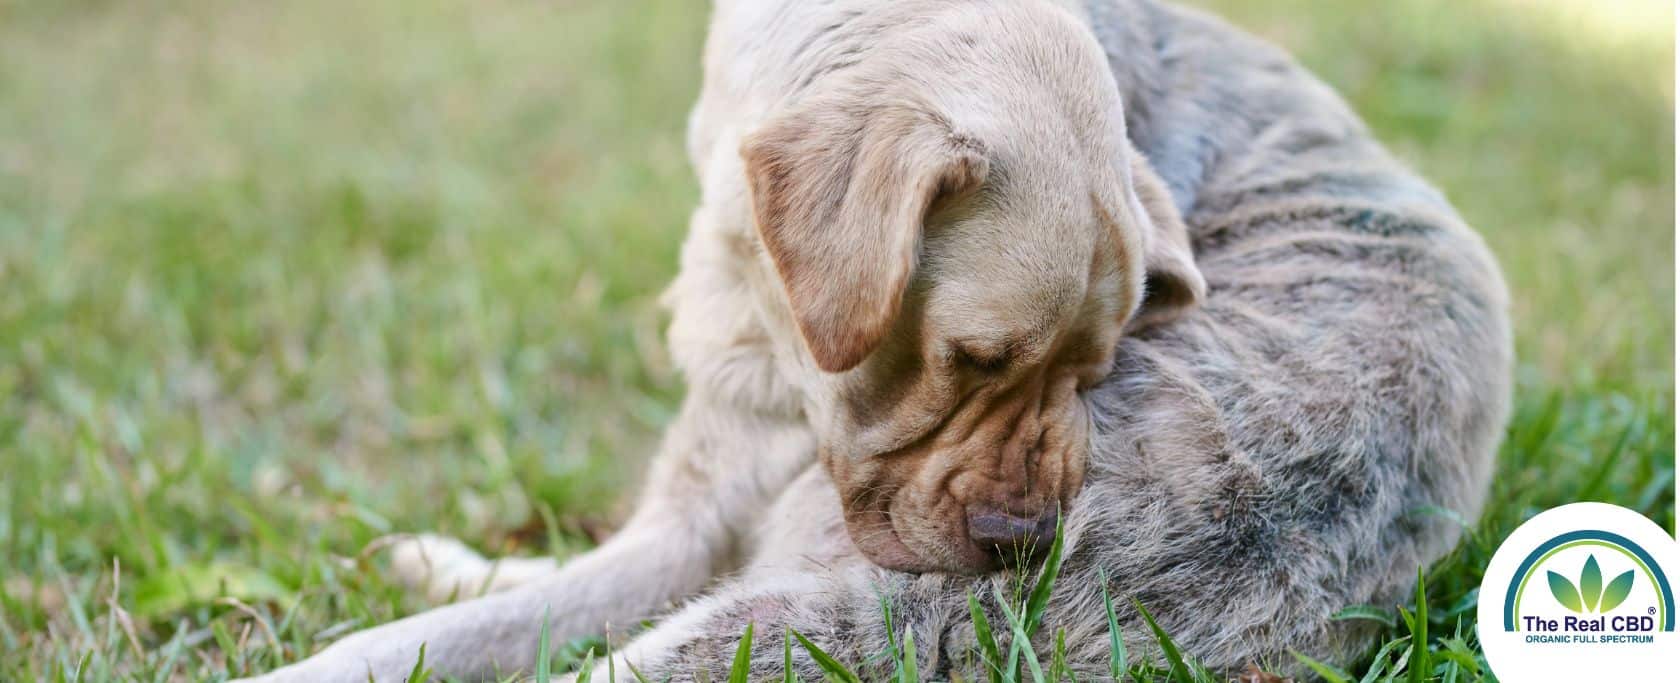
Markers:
point(280, 279)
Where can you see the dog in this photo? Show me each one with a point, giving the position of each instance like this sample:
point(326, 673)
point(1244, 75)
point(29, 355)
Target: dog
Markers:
point(962, 269)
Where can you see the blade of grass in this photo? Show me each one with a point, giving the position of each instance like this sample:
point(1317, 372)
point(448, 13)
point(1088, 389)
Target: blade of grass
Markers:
point(1466, 603)
point(1459, 651)
point(173, 652)
point(988, 643)
point(787, 659)
point(743, 658)
point(1058, 657)
point(1020, 643)
point(892, 643)
point(1370, 613)
point(1381, 660)
point(635, 672)
point(419, 674)
point(1177, 670)
point(541, 666)
point(1329, 673)
point(82, 666)
point(1593, 489)
point(1420, 664)
point(1039, 600)
point(1116, 644)
point(1540, 429)
point(907, 665)
point(587, 671)
point(224, 640)
point(828, 664)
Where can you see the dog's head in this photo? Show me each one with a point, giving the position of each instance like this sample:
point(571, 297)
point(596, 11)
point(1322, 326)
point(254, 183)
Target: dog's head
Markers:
point(963, 233)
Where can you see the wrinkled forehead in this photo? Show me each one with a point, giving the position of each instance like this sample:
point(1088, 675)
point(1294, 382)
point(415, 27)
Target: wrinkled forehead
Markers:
point(1017, 263)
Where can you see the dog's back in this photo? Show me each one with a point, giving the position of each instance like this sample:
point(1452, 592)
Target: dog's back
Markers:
point(1349, 371)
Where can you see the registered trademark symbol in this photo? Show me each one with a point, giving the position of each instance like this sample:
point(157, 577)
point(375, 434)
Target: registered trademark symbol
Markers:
point(1651, 610)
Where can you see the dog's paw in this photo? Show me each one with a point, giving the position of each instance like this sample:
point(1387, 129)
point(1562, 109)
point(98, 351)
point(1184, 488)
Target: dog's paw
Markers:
point(440, 566)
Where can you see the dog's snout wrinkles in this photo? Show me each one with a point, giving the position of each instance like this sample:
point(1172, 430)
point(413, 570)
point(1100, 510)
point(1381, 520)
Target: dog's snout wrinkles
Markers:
point(1011, 536)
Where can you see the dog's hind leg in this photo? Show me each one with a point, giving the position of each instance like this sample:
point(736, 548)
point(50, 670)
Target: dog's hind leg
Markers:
point(843, 608)
point(446, 569)
point(805, 576)
point(837, 608)
point(717, 471)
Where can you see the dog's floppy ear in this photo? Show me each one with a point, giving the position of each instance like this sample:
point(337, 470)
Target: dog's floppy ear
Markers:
point(840, 190)
point(1172, 283)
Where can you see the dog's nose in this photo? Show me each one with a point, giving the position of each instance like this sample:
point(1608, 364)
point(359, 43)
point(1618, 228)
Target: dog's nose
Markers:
point(1013, 537)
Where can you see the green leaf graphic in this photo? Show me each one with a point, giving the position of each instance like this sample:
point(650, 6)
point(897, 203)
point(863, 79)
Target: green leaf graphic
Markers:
point(1617, 591)
point(1564, 591)
point(1592, 582)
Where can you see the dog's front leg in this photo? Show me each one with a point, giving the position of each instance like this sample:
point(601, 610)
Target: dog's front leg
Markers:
point(717, 468)
point(839, 607)
point(805, 575)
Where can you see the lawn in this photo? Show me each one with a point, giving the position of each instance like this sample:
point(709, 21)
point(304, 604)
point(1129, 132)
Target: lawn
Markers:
point(277, 279)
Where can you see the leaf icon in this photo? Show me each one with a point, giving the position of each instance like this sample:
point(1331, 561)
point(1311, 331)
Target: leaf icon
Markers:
point(1591, 583)
point(1564, 591)
point(1617, 591)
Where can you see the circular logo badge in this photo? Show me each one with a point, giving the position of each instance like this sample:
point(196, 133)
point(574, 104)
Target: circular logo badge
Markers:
point(1581, 592)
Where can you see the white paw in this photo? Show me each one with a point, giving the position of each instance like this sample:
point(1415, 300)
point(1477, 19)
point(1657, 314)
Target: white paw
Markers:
point(441, 566)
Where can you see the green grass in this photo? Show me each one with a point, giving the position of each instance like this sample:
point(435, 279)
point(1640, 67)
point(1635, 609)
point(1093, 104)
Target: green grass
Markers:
point(277, 279)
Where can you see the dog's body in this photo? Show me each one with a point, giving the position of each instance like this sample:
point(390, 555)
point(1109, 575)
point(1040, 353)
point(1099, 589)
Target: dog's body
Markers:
point(1254, 466)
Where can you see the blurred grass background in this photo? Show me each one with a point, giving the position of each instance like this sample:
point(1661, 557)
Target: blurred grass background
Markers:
point(277, 279)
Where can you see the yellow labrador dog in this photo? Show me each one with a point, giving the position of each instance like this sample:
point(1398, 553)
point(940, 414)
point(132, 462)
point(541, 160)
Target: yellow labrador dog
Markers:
point(934, 296)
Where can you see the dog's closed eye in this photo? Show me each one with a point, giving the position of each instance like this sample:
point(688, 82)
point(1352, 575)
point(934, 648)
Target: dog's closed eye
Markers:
point(981, 359)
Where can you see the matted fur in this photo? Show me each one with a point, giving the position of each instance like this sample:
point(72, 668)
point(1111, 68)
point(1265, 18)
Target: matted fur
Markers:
point(1256, 465)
